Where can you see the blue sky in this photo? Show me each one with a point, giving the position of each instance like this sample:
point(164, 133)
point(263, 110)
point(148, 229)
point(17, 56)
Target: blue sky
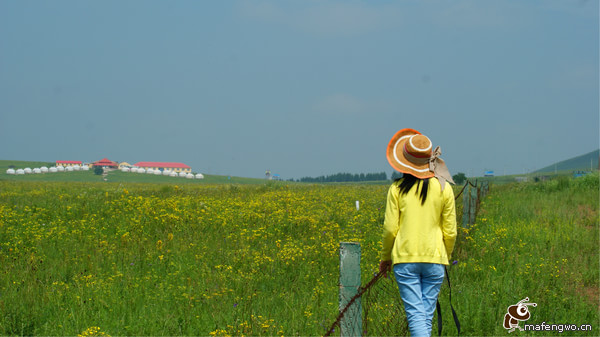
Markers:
point(302, 88)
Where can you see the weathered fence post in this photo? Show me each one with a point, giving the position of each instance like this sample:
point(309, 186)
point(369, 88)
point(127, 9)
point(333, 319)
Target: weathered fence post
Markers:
point(472, 196)
point(351, 323)
point(486, 188)
point(474, 203)
point(466, 203)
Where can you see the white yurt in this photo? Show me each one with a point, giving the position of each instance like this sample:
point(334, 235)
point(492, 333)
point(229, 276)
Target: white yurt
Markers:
point(53, 170)
point(76, 167)
point(141, 170)
point(125, 169)
point(37, 170)
point(85, 168)
point(44, 169)
point(11, 171)
point(20, 171)
point(27, 170)
point(133, 169)
point(150, 171)
point(199, 176)
point(173, 174)
point(157, 172)
point(70, 168)
point(61, 169)
point(166, 172)
point(182, 174)
point(189, 176)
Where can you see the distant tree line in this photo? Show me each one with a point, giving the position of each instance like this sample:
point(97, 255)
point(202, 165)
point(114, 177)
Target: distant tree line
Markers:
point(459, 178)
point(345, 177)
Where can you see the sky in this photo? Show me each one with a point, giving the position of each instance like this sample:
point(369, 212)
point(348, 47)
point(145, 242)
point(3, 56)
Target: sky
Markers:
point(300, 88)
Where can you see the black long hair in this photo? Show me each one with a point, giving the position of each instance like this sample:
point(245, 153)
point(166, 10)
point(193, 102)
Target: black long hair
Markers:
point(408, 181)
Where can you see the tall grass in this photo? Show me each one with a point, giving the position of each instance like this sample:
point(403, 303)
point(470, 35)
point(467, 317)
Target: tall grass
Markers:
point(135, 259)
point(145, 259)
point(536, 240)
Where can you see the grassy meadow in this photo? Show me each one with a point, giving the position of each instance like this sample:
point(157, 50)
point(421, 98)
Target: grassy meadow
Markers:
point(84, 258)
point(536, 240)
point(139, 259)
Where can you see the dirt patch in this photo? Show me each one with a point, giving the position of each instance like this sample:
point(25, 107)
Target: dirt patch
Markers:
point(590, 295)
point(588, 216)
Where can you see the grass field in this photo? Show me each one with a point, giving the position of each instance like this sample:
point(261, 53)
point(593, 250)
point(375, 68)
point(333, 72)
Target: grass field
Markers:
point(231, 259)
point(536, 240)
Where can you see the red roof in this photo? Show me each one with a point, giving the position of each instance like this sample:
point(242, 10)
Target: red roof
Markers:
point(105, 162)
point(68, 162)
point(161, 164)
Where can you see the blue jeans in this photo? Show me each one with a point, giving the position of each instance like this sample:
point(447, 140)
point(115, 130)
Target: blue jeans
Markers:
point(419, 285)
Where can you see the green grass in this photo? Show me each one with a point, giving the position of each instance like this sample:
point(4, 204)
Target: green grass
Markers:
point(129, 177)
point(529, 177)
point(261, 259)
point(536, 240)
point(158, 259)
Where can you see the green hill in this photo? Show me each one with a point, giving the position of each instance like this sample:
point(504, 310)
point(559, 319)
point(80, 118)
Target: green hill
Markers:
point(585, 162)
point(563, 168)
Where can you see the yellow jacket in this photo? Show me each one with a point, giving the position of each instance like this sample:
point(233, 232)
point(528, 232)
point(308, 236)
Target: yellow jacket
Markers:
point(419, 233)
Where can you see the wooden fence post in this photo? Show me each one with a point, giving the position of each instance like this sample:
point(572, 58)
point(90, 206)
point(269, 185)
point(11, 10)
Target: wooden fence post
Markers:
point(351, 323)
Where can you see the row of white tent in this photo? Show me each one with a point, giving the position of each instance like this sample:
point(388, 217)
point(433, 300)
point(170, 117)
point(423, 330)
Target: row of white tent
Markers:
point(44, 169)
point(164, 172)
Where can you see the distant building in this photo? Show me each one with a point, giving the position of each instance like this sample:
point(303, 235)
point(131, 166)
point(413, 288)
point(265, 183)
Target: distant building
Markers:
point(577, 174)
point(161, 166)
point(488, 174)
point(67, 163)
point(105, 163)
point(124, 164)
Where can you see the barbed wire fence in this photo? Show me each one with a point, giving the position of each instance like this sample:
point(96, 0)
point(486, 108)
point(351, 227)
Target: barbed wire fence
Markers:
point(375, 308)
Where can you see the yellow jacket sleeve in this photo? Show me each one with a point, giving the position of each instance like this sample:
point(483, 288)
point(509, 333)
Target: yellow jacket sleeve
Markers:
point(391, 223)
point(449, 220)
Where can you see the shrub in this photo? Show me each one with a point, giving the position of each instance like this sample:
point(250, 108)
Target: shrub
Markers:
point(98, 170)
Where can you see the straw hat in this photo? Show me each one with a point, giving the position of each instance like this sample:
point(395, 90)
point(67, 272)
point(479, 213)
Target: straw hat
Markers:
point(411, 152)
